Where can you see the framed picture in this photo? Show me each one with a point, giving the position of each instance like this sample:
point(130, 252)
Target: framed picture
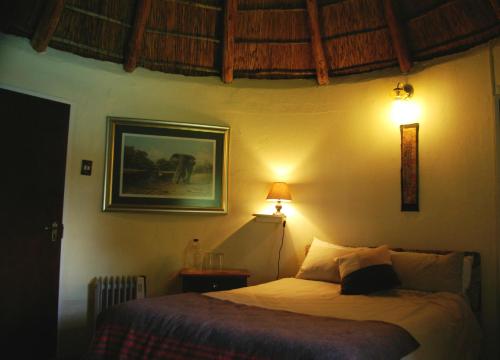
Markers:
point(409, 167)
point(165, 166)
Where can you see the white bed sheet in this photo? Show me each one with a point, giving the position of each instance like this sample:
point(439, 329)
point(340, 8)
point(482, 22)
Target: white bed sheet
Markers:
point(441, 322)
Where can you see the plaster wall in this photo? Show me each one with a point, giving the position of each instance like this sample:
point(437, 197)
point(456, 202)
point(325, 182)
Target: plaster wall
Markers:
point(334, 145)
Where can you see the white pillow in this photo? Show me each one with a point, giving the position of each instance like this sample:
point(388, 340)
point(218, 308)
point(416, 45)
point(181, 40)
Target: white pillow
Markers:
point(467, 272)
point(429, 272)
point(321, 262)
point(364, 258)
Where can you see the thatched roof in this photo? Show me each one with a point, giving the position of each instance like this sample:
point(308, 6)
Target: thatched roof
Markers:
point(255, 38)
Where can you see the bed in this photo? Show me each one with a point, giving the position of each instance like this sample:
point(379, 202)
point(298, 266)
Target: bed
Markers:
point(293, 318)
point(442, 322)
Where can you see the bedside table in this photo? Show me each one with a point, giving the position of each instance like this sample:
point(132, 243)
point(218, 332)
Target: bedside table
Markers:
point(194, 280)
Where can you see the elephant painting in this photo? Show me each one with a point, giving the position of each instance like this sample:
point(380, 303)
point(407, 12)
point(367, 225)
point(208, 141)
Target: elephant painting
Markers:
point(184, 165)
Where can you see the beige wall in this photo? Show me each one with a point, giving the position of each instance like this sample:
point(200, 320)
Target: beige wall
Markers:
point(333, 144)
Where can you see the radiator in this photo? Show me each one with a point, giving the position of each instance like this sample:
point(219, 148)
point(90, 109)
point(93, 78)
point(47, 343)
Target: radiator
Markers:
point(114, 290)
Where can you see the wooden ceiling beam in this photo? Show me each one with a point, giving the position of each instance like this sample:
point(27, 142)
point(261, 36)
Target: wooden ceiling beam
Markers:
point(47, 24)
point(230, 13)
point(399, 41)
point(316, 43)
point(135, 43)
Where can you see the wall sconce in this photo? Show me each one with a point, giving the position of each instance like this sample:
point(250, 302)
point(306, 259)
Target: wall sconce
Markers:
point(404, 110)
point(279, 192)
point(403, 91)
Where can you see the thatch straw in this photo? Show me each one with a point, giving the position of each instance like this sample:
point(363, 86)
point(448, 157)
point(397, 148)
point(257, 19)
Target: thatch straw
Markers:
point(276, 74)
point(448, 22)
point(272, 25)
point(177, 68)
point(458, 43)
point(411, 8)
point(272, 38)
point(86, 51)
point(92, 31)
point(267, 57)
point(244, 5)
point(363, 68)
point(182, 18)
point(182, 38)
point(351, 16)
point(159, 48)
point(122, 10)
point(217, 5)
point(359, 49)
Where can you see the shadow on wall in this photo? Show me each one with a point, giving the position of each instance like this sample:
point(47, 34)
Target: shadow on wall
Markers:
point(173, 281)
point(255, 247)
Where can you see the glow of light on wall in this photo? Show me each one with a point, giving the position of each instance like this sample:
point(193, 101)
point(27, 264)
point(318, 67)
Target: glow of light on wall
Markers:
point(281, 172)
point(405, 111)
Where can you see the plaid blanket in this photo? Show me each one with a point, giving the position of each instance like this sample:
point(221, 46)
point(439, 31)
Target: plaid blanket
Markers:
point(193, 326)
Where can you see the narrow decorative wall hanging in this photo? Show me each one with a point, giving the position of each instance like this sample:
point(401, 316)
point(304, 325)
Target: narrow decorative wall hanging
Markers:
point(409, 167)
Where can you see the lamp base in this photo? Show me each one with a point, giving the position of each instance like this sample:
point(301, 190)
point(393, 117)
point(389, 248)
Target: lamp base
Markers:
point(278, 207)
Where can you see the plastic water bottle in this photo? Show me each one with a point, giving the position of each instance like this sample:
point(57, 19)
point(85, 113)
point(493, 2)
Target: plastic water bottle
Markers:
point(193, 255)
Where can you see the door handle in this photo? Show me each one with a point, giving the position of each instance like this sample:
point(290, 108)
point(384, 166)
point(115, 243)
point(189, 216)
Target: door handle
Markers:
point(54, 231)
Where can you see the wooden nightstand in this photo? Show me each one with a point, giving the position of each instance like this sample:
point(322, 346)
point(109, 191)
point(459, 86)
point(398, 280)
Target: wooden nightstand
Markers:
point(212, 280)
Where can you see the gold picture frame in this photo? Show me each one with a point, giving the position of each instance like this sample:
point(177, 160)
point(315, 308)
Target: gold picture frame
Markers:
point(163, 166)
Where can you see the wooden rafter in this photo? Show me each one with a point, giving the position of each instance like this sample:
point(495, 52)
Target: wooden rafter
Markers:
point(316, 44)
point(47, 24)
point(136, 39)
point(230, 13)
point(398, 36)
point(495, 4)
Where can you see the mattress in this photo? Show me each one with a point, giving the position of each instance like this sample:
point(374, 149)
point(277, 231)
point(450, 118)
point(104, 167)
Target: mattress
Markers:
point(441, 322)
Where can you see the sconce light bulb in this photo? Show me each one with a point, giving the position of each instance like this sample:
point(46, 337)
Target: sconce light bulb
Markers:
point(404, 111)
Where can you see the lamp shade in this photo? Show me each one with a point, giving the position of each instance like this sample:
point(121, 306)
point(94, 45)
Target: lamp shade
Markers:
point(279, 191)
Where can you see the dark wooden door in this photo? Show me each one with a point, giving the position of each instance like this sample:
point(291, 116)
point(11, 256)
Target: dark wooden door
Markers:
point(33, 141)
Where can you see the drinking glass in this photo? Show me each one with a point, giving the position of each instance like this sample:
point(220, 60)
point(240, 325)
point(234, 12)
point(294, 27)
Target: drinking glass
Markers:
point(208, 261)
point(218, 261)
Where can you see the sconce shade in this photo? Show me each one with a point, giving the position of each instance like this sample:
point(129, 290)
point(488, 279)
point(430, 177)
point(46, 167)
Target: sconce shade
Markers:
point(279, 191)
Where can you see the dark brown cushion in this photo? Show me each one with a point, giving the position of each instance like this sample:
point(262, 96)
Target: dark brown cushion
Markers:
point(367, 271)
point(369, 279)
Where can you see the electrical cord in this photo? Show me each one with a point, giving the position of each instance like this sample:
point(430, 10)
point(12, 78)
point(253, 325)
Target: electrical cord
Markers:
point(279, 252)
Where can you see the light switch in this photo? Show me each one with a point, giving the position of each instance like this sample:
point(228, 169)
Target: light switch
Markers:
point(86, 167)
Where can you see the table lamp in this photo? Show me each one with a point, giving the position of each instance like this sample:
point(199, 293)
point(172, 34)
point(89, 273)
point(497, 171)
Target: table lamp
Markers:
point(279, 192)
